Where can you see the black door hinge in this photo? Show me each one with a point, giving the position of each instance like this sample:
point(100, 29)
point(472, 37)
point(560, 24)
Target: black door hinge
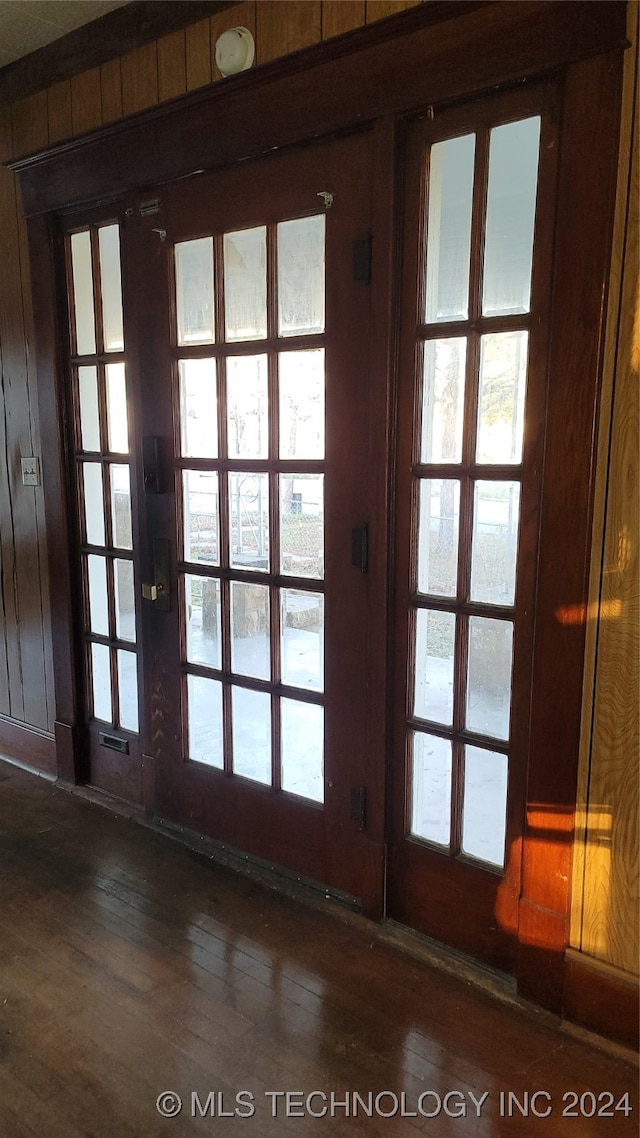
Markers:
point(360, 547)
point(362, 257)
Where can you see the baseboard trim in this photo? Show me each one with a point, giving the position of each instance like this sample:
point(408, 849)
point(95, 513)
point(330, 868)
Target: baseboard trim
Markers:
point(601, 998)
point(27, 745)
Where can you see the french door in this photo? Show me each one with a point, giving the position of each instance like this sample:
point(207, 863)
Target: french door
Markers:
point(476, 284)
point(238, 587)
point(226, 490)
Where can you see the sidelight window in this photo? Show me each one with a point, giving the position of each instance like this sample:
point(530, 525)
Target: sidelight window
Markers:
point(471, 374)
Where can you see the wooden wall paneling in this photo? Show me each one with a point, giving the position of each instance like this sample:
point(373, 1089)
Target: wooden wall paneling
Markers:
point(140, 79)
point(86, 101)
point(379, 9)
point(612, 871)
point(584, 224)
point(198, 46)
point(111, 90)
point(339, 16)
point(240, 16)
point(607, 805)
point(30, 124)
point(9, 658)
point(122, 30)
point(24, 608)
point(284, 26)
point(172, 65)
point(42, 697)
point(59, 111)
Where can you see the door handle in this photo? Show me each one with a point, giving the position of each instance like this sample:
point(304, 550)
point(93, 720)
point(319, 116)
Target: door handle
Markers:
point(158, 589)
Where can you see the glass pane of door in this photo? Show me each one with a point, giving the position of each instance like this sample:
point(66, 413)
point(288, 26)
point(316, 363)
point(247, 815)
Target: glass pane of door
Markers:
point(253, 519)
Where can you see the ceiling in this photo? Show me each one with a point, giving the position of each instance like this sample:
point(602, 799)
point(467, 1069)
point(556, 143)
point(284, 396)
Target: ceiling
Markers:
point(26, 25)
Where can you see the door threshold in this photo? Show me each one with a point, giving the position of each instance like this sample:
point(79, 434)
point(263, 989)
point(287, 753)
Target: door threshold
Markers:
point(267, 873)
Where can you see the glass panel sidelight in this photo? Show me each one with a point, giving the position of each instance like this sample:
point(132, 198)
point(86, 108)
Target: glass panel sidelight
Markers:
point(82, 286)
point(468, 448)
point(494, 542)
point(443, 400)
point(511, 207)
point(434, 665)
point(111, 288)
point(93, 503)
point(503, 377)
point(246, 513)
point(438, 536)
point(484, 808)
point(101, 414)
point(89, 408)
point(101, 682)
point(450, 200)
point(98, 596)
point(430, 788)
point(489, 677)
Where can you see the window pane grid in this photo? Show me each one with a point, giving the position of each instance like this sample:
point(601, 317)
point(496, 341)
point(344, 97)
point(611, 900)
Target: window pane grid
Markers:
point(467, 472)
point(268, 493)
point(101, 449)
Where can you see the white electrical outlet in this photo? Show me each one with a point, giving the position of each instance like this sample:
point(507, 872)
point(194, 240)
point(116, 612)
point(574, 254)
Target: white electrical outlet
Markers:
point(30, 471)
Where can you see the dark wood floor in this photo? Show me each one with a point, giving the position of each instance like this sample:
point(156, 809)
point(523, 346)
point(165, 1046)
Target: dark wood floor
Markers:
point(130, 967)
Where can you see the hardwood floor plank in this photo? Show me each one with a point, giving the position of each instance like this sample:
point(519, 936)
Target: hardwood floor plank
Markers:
point(130, 966)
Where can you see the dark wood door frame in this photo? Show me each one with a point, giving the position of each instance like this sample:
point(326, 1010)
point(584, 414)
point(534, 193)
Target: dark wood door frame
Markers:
point(423, 59)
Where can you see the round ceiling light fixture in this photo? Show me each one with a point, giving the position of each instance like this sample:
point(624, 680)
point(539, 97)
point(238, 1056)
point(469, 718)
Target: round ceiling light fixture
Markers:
point(235, 51)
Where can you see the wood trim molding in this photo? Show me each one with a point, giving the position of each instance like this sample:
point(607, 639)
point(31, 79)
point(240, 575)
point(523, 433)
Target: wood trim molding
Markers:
point(28, 745)
point(602, 999)
point(105, 38)
point(426, 56)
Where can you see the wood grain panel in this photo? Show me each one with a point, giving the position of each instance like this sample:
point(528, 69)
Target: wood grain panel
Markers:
point(111, 89)
point(340, 16)
point(240, 16)
point(198, 45)
point(30, 124)
point(59, 111)
point(172, 66)
point(140, 79)
point(33, 584)
point(284, 26)
point(378, 9)
point(86, 101)
point(613, 873)
point(21, 576)
point(606, 871)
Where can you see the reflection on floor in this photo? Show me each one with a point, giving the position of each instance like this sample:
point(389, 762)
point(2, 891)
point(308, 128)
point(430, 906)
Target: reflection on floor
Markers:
point(134, 971)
